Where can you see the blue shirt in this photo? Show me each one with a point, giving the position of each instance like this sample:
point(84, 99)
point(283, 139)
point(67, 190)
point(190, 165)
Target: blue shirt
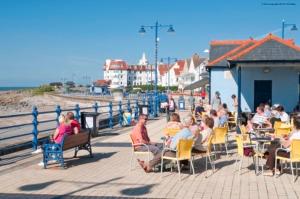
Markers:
point(185, 133)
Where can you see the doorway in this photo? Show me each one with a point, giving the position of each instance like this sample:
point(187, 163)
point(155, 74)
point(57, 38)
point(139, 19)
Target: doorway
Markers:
point(262, 92)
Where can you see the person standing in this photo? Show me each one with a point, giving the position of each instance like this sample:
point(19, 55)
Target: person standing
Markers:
point(235, 103)
point(192, 101)
point(216, 101)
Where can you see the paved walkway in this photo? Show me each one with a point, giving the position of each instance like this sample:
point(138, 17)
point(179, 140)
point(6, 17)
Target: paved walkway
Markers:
point(108, 175)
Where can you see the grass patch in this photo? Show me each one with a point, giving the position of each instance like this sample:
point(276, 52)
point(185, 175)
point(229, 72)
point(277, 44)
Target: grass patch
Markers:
point(42, 89)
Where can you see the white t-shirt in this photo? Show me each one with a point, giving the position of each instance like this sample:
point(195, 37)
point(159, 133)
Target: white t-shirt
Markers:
point(284, 117)
point(295, 135)
point(258, 119)
point(200, 142)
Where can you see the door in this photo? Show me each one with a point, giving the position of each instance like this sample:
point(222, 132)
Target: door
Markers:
point(262, 92)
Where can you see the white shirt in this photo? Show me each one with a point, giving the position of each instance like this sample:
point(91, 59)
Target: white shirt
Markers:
point(284, 117)
point(295, 135)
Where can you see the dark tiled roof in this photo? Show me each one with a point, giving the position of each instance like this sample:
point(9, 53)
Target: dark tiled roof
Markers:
point(219, 50)
point(270, 48)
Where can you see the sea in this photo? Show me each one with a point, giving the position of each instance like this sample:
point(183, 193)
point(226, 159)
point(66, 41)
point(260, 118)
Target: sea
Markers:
point(14, 88)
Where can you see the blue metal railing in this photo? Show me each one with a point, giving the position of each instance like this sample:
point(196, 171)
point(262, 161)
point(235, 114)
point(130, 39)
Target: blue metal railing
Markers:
point(112, 108)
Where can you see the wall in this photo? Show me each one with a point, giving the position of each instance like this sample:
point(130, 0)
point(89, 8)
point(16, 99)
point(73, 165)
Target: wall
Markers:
point(225, 84)
point(284, 86)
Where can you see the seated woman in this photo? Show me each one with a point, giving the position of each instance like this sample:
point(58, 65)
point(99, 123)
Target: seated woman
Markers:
point(214, 116)
point(223, 114)
point(63, 129)
point(284, 117)
point(201, 139)
point(258, 120)
point(174, 123)
point(285, 143)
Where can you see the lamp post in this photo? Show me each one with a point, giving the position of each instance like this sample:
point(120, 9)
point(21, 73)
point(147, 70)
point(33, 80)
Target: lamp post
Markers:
point(284, 25)
point(169, 59)
point(143, 31)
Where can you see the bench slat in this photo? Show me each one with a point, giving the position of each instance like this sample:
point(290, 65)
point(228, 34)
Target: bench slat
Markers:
point(76, 140)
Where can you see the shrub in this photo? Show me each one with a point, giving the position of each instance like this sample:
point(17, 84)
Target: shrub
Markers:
point(42, 89)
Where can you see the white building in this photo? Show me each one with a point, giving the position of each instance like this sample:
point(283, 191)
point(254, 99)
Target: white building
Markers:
point(122, 75)
point(193, 70)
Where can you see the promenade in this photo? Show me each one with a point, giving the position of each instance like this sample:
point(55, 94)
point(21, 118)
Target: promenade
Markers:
point(108, 175)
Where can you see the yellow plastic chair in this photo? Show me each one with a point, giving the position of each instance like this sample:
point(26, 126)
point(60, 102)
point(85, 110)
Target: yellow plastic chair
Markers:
point(183, 152)
point(294, 156)
point(240, 151)
point(220, 137)
point(136, 153)
point(282, 131)
point(277, 124)
point(171, 131)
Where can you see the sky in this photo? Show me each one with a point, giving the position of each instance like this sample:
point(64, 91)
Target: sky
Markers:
point(43, 41)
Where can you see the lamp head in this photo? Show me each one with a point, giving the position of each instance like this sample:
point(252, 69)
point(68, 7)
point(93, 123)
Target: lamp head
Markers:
point(171, 29)
point(142, 30)
point(294, 28)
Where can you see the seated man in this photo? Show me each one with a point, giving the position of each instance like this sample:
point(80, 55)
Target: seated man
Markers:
point(140, 135)
point(285, 143)
point(199, 109)
point(185, 133)
point(74, 123)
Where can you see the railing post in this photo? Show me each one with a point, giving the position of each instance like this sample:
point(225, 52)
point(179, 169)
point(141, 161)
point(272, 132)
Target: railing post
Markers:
point(77, 110)
point(35, 131)
point(136, 112)
point(58, 112)
point(128, 106)
point(96, 107)
point(149, 106)
point(120, 114)
point(110, 115)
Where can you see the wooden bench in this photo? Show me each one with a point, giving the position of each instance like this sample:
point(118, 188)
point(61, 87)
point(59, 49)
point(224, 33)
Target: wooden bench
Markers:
point(53, 151)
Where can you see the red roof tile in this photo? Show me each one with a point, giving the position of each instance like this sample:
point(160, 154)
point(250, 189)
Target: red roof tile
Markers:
point(288, 43)
point(180, 69)
point(246, 46)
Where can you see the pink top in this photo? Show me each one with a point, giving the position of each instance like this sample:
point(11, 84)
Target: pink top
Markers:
point(140, 135)
point(62, 130)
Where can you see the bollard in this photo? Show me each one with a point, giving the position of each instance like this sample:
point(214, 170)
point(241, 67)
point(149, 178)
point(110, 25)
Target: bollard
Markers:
point(77, 110)
point(128, 106)
point(136, 110)
point(35, 128)
point(95, 106)
point(110, 115)
point(120, 114)
point(58, 112)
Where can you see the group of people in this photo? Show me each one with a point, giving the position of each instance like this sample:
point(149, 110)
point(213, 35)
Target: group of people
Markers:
point(188, 129)
point(266, 116)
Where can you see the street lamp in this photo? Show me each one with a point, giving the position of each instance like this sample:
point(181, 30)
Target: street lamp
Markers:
point(284, 25)
point(169, 59)
point(143, 31)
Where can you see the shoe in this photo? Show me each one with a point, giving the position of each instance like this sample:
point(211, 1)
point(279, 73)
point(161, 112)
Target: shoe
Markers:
point(277, 172)
point(144, 166)
point(37, 151)
point(268, 173)
point(41, 164)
